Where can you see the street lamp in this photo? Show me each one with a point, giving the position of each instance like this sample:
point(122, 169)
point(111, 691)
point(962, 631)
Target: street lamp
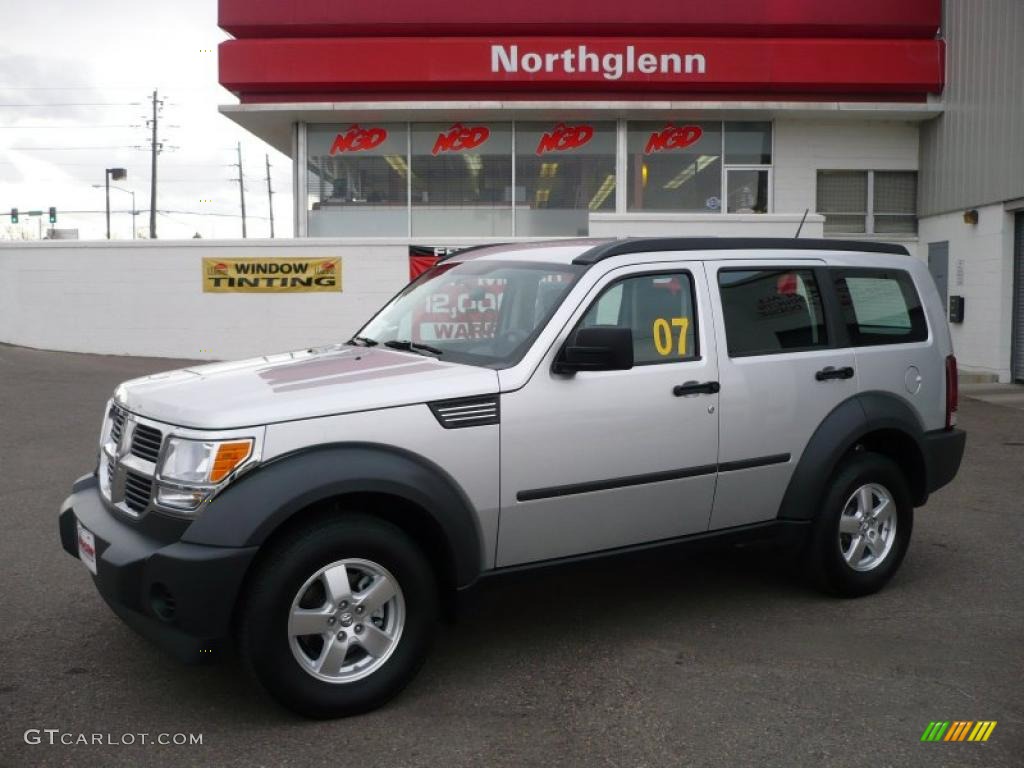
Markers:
point(116, 174)
point(135, 210)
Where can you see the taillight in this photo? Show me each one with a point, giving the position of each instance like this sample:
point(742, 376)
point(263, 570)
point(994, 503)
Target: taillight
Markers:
point(952, 392)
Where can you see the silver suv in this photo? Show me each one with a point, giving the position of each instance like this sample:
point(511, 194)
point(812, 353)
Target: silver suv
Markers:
point(517, 406)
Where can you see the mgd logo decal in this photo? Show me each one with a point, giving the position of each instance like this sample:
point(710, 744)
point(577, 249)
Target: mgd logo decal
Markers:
point(565, 137)
point(459, 138)
point(357, 139)
point(672, 137)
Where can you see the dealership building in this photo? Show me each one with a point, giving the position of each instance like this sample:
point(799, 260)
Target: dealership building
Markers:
point(896, 121)
point(415, 127)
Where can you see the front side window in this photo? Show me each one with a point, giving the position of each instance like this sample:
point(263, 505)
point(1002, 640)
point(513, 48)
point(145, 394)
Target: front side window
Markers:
point(771, 310)
point(658, 309)
point(880, 307)
point(483, 313)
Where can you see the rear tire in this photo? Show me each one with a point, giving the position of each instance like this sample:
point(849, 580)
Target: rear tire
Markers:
point(338, 616)
point(863, 528)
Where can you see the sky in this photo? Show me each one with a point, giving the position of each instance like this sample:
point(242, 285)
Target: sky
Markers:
point(76, 79)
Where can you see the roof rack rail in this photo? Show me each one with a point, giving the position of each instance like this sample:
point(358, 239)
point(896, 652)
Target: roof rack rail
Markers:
point(654, 244)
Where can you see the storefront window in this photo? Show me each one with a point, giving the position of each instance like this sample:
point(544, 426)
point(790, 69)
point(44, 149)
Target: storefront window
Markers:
point(529, 179)
point(564, 171)
point(748, 143)
point(688, 166)
point(675, 166)
point(747, 190)
point(462, 179)
point(358, 180)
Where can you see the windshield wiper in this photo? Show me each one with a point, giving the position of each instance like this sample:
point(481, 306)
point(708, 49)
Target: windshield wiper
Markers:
point(411, 346)
point(363, 341)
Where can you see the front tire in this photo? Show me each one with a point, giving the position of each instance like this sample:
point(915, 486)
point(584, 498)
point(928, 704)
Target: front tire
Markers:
point(862, 531)
point(338, 616)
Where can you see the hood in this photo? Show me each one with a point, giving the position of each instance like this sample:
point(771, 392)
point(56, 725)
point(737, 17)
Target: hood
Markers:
point(299, 385)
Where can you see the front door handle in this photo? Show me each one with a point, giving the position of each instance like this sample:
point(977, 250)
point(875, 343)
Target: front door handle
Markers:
point(696, 388)
point(830, 372)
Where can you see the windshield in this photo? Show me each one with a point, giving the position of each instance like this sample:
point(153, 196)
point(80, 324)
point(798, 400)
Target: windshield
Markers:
point(483, 313)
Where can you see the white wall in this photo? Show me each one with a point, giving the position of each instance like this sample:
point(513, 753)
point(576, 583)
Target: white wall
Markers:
point(146, 298)
point(703, 225)
point(803, 147)
point(980, 270)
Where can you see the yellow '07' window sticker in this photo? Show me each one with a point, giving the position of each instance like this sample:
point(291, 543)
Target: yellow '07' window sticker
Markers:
point(663, 329)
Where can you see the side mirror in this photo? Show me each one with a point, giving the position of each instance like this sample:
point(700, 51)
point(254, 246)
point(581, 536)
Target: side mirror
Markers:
point(600, 348)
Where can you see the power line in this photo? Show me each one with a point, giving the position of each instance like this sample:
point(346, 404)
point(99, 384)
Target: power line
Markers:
point(67, 149)
point(212, 213)
point(65, 212)
point(76, 126)
point(75, 104)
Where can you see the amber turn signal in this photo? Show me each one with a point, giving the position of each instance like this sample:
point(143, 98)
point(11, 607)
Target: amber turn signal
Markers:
point(229, 456)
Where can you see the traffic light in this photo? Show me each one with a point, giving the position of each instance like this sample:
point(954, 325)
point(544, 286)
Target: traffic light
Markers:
point(53, 215)
point(14, 215)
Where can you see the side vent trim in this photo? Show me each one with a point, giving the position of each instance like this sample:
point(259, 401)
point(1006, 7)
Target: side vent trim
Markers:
point(467, 411)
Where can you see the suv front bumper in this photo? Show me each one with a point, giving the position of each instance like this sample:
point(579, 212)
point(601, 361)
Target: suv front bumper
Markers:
point(180, 596)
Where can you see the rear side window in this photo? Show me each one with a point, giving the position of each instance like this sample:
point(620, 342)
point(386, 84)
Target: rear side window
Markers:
point(658, 309)
point(880, 307)
point(771, 310)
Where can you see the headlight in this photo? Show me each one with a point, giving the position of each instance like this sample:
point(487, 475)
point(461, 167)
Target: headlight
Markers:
point(191, 468)
point(203, 462)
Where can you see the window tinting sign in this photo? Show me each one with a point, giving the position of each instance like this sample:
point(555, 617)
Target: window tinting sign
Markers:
point(273, 275)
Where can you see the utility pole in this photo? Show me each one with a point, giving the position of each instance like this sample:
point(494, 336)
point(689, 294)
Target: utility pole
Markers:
point(270, 199)
point(155, 148)
point(241, 186)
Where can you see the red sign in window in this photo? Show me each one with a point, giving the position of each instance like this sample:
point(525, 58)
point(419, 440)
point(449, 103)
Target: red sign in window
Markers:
point(357, 139)
point(673, 137)
point(565, 137)
point(460, 138)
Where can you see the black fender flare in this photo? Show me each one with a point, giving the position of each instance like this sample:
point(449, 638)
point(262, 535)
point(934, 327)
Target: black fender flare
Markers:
point(838, 432)
point(249, 510)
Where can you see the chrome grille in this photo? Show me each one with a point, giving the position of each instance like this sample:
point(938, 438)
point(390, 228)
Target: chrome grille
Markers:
point(467, 412)
point(137, 490)
point(146, 442)
point(117, 417)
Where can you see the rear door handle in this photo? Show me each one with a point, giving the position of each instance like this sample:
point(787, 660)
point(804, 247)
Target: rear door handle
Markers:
point(829, 372)
point(696, 388)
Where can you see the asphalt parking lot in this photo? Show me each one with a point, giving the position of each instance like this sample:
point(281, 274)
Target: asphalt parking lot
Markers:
point(717, 659)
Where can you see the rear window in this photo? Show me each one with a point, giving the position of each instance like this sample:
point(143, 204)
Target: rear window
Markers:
point(771, 310)
point(880, 307)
